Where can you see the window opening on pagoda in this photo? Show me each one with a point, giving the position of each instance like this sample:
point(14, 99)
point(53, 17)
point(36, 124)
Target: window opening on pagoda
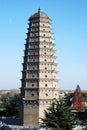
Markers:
point(44, 40)
point(32, 94)
point(43, 34)
point(32, 85)
point(33, 60)
point(43, 29)
point(45, 53)
point(32, 75)
point(43, 25)
point(45, 85)
point(46, 94)
point(45, 68)
point(44, 46)
point(45, 75)
point(45, 60)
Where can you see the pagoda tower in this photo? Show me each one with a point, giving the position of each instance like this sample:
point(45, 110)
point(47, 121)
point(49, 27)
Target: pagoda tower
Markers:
point(39, 76)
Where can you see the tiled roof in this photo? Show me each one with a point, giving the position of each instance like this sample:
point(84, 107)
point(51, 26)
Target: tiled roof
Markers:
point(40, 13)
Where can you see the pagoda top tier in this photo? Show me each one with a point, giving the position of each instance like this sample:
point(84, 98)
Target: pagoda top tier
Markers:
point(39, 14)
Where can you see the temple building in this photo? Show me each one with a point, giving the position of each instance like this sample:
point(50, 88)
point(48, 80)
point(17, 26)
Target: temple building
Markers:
point(39, 76)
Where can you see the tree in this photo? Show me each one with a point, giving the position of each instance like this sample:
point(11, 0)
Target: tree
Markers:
point(12, 105)
point(78, 100)
point(58, 117)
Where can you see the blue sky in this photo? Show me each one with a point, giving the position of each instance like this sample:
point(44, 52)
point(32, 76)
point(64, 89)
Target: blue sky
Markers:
point(69, 23)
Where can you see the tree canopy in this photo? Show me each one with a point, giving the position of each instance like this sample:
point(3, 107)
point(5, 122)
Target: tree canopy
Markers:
point(58, 117)
point(12, 105)
point(78, 100)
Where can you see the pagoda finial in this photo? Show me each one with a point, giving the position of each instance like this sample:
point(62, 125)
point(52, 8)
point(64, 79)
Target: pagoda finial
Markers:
point(39, 9)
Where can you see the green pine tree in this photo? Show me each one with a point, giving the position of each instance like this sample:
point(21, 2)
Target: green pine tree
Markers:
point(12, 105)
point(58, 117)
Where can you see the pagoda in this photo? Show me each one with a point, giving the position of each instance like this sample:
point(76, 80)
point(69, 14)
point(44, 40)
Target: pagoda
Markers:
point(39, 76)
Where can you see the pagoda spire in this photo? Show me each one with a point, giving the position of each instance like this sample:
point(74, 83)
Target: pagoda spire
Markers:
point(39, 9)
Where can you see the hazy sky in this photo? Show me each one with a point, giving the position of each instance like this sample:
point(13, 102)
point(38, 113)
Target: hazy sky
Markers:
point(69, 23)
